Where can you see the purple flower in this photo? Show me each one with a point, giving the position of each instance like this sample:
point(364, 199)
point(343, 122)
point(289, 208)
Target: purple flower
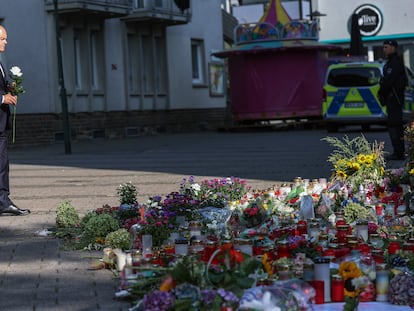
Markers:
point(208, 296)
point(227, 295)
point(158, 301)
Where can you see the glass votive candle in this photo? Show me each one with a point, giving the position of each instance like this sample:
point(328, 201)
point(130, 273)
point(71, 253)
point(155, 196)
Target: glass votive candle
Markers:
point(181, 246)
point(197, 246)
point(147, 245)
point(361, 230)
point(195, 228)
point(302, 227)
point(245, 246)
point(283, 249)
point(337, 288)
point(209, 248)
point(284, 271)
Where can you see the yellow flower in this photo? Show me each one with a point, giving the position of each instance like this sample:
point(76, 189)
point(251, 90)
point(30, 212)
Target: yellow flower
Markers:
point(267, 264)
point(355, 166)
point(412, 171)
point(341, 174)
point(361, 158)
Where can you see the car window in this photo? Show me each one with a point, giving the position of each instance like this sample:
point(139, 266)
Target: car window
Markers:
point(354, 76)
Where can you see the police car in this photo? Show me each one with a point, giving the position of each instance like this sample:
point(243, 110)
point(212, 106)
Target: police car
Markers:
point(350, 95)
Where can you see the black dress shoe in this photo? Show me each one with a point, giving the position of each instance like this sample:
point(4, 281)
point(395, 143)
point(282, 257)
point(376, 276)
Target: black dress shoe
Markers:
point(14, 210)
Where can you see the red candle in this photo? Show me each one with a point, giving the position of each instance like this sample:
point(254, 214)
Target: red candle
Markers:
point(379, 210)
point(329, 253)
point(302, 227)
point(341, 233)
point(319, 287)
point(209, 248)
point(337, 288)
point(283, 250)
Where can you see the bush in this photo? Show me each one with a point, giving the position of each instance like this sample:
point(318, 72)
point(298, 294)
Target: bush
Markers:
point(66, 215)
point(127, 193)
point(98, 226)
point(120, 238)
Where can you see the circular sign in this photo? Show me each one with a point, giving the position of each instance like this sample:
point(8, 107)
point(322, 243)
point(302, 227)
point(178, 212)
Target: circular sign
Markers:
point(369, 19)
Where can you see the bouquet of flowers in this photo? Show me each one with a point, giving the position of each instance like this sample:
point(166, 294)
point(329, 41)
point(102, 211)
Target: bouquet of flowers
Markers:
point(355, 282)
point(356, 162)
point(215, 192)
point(158, 222)
point(253, 215)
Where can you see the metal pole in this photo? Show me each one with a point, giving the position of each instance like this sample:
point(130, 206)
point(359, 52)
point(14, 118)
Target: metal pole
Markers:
point(63, 98)
point(300, 10)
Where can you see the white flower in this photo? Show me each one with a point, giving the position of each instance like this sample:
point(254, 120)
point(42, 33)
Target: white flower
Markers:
point(196, 187)
point(266, 304)
point(360, 282)
point(16, 71)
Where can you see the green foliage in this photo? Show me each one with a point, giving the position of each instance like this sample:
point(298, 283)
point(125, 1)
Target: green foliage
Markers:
point(120, 238)
point(98, 226)
point(355, 161)
point(145, 285)
point(189, 270)
point(66, 215)
point(127, 193)
point(237, 279)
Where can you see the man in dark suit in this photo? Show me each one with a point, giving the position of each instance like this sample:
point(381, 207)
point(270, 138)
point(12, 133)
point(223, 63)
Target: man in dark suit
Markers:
point(6, 205)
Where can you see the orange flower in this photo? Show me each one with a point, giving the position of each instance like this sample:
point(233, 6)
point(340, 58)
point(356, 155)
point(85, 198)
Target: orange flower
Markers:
point(168, 284)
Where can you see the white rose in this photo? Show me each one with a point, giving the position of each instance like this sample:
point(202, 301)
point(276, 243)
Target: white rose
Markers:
point(16, 71)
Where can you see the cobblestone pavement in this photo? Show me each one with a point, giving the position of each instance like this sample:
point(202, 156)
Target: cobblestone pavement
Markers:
point(36, 275)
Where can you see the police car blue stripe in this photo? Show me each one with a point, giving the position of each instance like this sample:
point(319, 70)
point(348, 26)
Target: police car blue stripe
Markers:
point(337, 101)
point(370, 100)
point(367, 96)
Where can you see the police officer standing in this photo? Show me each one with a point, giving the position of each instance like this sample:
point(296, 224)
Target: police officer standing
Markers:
point(391, 94)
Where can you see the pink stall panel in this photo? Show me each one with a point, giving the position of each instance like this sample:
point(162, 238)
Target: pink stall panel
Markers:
point(277, 85)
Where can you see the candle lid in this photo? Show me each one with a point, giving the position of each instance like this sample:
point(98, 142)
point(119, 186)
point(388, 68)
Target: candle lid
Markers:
point(336, 277)
point(322, 260)
point(181, 241)
point(381, 266)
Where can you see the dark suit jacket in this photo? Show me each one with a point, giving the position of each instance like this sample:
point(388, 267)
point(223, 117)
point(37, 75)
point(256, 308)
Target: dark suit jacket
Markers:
point(5, 119)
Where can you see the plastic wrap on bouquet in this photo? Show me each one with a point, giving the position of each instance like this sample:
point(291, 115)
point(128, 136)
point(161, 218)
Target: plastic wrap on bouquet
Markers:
point(216, 219)
point(306, 207)
point(287, 295)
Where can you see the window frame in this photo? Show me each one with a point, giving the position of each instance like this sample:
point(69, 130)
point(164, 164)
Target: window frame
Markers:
point(198, 67)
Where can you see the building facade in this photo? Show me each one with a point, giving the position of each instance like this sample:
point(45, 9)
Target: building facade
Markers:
point(379, 20)
point(129, 66)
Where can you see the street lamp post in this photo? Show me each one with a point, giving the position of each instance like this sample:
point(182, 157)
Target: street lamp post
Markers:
point(63, 98)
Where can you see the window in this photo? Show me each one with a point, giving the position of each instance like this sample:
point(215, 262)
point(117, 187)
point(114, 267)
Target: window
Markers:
point(134, 57)
point(77, 60)
point(148, 64)
point(352, 77)
point(94, 61)
point(147, 61)
point(197, 58)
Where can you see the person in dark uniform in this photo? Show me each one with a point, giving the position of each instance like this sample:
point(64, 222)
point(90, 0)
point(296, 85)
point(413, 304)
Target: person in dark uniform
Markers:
point(391, 94)
point(7, 99)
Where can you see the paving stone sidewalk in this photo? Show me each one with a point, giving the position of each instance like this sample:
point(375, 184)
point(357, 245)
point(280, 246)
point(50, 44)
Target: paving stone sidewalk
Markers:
point(36, 275)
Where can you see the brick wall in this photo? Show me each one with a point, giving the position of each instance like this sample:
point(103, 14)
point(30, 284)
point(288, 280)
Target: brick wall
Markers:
point(38, 129)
